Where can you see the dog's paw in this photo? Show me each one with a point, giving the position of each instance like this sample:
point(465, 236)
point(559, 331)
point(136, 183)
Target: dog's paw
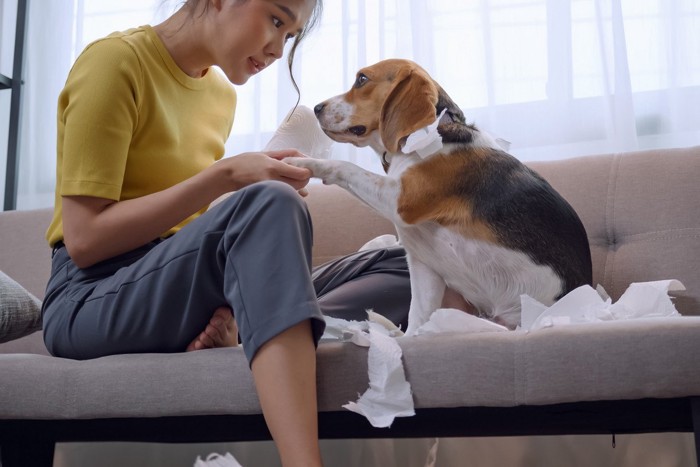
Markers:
point(305, 162)
point(326, 170)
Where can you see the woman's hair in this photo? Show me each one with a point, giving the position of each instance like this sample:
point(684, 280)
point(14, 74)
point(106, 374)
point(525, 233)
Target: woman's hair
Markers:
point(310, 24)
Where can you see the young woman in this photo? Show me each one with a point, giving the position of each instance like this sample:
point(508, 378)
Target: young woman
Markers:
point(139, 264)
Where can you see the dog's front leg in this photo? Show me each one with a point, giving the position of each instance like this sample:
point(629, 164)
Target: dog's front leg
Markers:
point(427, 290)
point(378, 191)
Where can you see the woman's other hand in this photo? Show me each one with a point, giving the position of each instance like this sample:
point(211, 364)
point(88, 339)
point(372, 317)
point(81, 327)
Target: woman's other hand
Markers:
point(251, 167)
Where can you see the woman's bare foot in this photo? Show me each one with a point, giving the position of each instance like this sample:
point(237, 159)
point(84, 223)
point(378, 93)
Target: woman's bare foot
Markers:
point(220, 332)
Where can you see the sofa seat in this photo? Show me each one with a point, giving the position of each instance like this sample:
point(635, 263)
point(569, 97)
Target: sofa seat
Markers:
point(586, 362)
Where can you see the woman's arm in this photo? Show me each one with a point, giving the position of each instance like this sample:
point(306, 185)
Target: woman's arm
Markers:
point(128, 224)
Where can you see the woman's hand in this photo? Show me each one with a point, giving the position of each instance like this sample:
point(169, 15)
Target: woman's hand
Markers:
point(250, 167)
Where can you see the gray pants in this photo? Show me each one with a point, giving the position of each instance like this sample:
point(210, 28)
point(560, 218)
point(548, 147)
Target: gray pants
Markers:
point(252, 252)
point(374, 280)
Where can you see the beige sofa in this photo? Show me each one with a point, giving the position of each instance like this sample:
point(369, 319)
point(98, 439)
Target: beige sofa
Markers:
point(642, 214)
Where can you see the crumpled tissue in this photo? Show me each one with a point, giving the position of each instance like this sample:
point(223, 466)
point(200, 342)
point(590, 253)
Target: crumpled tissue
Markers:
point(453, 320)
point(389, 393)
point(217, 460)
point(425, 141)
point(300, 130)
point(587, 305)
point(382, 241)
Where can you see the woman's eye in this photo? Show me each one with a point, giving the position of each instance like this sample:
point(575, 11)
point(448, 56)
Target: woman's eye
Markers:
point(361, 80)
point(277, 22)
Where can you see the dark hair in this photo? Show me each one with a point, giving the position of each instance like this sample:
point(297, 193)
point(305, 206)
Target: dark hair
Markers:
point(310, 24)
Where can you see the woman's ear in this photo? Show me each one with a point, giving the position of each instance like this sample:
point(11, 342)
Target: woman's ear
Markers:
point(409, 107)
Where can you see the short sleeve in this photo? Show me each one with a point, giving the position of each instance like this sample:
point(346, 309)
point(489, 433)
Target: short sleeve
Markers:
point(98, 110)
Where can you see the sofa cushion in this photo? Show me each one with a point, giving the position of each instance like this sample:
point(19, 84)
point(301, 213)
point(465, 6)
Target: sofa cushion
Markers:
point(20, 311)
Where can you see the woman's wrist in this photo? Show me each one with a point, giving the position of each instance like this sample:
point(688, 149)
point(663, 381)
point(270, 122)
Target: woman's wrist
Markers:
point(219, 178)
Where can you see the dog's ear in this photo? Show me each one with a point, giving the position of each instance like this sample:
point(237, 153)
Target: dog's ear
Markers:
point(409, 107)
point(445, 102)
point(453, 127)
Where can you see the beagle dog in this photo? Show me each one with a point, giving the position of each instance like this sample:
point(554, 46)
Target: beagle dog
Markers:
point(473, 219)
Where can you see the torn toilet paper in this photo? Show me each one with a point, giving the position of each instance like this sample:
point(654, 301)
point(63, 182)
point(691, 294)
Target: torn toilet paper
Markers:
point(382, 241)
point(300, 130)
point(389, 393)
point(425, 141)
point(453, 320)
point(586, 305)
point(217, 460)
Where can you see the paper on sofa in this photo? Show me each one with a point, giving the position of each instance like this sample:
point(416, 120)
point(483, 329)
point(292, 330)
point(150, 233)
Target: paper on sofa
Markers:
point(587, 305)
point(389, 393)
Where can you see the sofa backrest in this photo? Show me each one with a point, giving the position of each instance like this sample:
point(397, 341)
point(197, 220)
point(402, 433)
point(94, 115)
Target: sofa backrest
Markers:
point(641, 211)
point(24, 254)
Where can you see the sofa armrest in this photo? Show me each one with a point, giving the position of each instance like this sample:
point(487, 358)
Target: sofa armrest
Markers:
point(342, 223)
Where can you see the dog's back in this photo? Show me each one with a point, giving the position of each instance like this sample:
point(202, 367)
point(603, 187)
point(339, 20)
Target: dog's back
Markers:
point(528, 215)
point(493, 229)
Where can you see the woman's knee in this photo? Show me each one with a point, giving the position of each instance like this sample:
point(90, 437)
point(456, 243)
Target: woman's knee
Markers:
point(276, 190)
point(277, 198)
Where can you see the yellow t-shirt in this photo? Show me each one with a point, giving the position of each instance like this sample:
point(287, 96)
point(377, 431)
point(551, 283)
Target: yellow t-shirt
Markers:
point(132, 123)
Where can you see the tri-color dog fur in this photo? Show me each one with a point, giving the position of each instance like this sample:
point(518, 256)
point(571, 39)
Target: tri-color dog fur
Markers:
point(475, 222)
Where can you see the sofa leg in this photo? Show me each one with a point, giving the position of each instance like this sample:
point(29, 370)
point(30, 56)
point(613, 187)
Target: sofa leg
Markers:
point(34, 452)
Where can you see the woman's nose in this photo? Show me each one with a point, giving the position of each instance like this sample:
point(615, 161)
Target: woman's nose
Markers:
point(276, 48)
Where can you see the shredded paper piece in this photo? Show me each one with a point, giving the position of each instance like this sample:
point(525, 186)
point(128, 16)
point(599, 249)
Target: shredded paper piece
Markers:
point(382, 241)
point(425, 141)
point(453, 320)
point(587, 305)
point(389, 394)
point(217, 460)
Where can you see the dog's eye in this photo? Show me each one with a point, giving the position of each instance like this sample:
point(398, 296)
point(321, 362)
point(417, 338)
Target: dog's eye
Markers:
point(361, 80)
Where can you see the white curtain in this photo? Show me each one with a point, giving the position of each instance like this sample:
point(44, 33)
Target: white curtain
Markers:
point(556, 78)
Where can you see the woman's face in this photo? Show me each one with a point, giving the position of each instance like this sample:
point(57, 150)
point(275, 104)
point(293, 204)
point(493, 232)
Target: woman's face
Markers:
point(251, 34)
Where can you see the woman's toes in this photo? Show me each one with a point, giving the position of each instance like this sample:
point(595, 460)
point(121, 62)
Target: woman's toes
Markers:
point(220, 332)
point(209, 337)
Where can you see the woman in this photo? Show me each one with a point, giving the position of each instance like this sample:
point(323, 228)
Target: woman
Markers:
point(138, 265)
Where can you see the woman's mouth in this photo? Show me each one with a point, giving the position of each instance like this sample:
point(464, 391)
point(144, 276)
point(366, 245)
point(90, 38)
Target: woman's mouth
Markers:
point(256, 66)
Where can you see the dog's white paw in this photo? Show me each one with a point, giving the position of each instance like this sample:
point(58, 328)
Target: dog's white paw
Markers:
point(326, 170)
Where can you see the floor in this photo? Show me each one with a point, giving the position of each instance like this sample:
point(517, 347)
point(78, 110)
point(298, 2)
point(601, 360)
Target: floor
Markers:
point(652, 450)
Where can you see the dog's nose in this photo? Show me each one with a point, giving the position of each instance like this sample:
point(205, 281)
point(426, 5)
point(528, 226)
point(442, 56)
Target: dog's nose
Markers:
point(319, 108)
